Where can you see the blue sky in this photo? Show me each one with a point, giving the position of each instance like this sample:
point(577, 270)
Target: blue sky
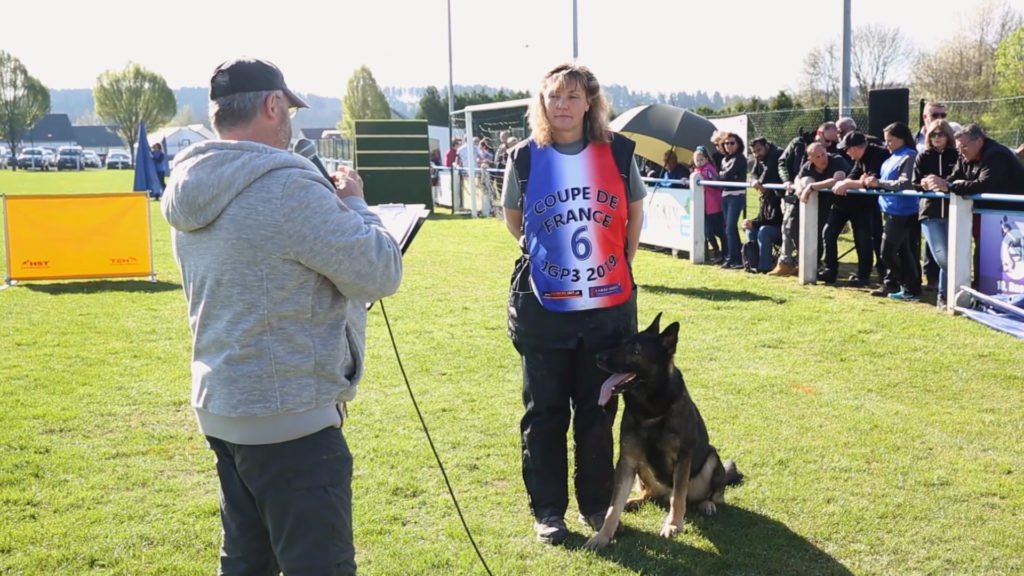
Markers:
point(751, 47)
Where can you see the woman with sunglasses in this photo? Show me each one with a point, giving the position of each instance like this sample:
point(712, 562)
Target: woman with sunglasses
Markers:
point(938, 158)
point(734, 169)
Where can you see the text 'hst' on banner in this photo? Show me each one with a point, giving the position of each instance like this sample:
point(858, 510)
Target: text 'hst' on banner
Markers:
point(57, 237)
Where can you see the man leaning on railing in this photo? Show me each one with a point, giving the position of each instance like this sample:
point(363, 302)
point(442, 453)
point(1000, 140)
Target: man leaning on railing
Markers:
point(984, 166)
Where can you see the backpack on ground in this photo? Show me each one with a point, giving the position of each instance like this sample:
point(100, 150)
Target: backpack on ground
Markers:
point(750, 253)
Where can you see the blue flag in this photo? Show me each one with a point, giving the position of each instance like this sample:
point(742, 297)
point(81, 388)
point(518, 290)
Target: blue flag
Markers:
point(146, 179)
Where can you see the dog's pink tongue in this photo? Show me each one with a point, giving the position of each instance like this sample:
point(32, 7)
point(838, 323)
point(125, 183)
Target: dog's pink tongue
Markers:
point(607, 389)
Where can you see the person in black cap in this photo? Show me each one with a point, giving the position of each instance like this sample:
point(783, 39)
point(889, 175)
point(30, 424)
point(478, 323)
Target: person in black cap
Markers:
point(277, 264)
point(857, 209)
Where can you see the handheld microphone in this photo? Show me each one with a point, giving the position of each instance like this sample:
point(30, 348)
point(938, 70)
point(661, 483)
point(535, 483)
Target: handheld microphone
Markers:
point(304, 147)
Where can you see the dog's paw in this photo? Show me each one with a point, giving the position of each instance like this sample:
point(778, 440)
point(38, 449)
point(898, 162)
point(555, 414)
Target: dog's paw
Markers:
point(669, 530)
point(597, 542)
point(707, 508)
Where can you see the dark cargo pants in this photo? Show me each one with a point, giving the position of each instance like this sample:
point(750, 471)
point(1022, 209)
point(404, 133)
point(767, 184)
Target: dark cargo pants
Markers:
point(555, 382)
point(286, 507)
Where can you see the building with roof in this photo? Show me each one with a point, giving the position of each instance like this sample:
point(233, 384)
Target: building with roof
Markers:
point(180, 137)
point(52, 131)
point(100, 139)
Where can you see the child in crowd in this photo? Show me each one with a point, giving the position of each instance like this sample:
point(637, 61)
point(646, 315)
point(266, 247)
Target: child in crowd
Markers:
point(714, 219)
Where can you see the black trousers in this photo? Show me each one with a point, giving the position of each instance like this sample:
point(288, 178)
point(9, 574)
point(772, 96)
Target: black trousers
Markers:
point(286, 507)
point(860, 221)
point(559, 385)
point(898, 253)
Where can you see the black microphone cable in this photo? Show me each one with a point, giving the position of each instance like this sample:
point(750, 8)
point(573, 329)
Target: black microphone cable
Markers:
point(430, 441)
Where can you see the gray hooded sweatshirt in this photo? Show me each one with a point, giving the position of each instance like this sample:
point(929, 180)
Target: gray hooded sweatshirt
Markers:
point(277, 272)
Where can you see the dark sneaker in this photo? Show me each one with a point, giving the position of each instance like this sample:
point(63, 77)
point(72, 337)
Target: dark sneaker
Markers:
point(551, 530)
point(595, 520)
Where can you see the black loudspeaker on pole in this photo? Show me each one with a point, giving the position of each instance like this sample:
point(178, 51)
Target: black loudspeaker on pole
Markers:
point(886, 106)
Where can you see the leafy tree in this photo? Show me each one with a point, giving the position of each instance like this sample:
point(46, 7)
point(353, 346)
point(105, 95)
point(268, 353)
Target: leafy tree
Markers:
point(822, 69)
point(881, 58)
point(1005, 118)
point(1009, 64)
point(23, 100)
point(364, 100)
point(131, 96)
point(963, 68)
point(432, 108)
point(783, 101)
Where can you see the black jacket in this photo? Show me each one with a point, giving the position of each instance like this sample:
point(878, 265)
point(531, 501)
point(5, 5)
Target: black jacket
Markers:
point(792, 159)
point(794, 156)
point(870, 163)
point(998, 172)
point(767, 171)
point(734, 168)
point(939, 163)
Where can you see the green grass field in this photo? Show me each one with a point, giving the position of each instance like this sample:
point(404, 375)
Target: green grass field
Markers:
point(877, 437)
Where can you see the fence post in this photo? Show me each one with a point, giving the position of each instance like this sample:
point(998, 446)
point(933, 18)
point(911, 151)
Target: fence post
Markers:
point(807, 250)
point(697, 244)
point(958, 252)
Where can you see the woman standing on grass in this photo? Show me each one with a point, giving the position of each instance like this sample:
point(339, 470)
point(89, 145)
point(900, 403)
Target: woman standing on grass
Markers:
point(899, 213)
point(734, 200)
point(573, 200)
point(939, 158)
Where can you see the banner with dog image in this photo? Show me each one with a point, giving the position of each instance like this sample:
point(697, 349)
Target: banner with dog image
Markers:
point(57, 237)
point(1001, 246)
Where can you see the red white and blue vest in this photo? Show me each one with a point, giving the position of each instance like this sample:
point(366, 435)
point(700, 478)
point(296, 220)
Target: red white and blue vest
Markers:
point(575, 209)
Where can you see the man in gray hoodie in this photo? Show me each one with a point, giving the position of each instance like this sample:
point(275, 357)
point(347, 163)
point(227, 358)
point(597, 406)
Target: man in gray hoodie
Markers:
point(277, 264)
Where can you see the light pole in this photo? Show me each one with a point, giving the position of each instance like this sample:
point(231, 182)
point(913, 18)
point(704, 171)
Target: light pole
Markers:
point(451, 107)
point(844, 85)
point(575, 32)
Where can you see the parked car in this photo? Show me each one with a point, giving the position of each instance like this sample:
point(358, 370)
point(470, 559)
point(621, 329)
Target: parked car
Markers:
point(49, 156)
point(91, 159)
point(119, 160)
point(70, 157)
point(32, 158)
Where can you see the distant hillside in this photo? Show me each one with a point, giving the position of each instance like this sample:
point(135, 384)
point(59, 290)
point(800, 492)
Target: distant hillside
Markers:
point(192, 108)
point(325, 111)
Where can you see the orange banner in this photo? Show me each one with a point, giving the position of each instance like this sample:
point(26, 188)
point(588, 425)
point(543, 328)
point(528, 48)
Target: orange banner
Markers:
point(78, 236)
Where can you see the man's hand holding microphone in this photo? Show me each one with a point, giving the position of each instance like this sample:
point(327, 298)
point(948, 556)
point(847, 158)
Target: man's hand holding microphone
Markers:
point(347, 182)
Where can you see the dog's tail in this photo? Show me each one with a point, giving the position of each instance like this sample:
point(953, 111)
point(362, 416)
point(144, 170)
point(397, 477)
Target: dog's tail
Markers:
point(732, 473)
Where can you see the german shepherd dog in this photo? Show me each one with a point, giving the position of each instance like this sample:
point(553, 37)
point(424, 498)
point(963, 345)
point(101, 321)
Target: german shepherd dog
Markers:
point(663, 439)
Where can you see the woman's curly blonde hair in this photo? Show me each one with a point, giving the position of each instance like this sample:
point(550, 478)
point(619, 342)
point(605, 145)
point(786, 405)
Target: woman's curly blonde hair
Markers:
point(595, 122)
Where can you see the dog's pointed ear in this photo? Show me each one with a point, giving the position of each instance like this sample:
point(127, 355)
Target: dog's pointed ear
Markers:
point(670, 337)
point(653, 328)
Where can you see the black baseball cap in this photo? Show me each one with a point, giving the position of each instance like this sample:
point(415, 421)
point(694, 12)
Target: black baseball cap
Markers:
point(249, 75)
point(852, 139)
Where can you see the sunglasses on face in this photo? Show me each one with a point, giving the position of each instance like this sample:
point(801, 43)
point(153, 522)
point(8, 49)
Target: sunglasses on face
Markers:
point(936, 134)
point(730, 143)
point(937, 115)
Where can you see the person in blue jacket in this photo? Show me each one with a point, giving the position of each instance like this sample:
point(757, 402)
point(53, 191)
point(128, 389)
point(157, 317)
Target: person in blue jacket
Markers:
point(899, 214)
